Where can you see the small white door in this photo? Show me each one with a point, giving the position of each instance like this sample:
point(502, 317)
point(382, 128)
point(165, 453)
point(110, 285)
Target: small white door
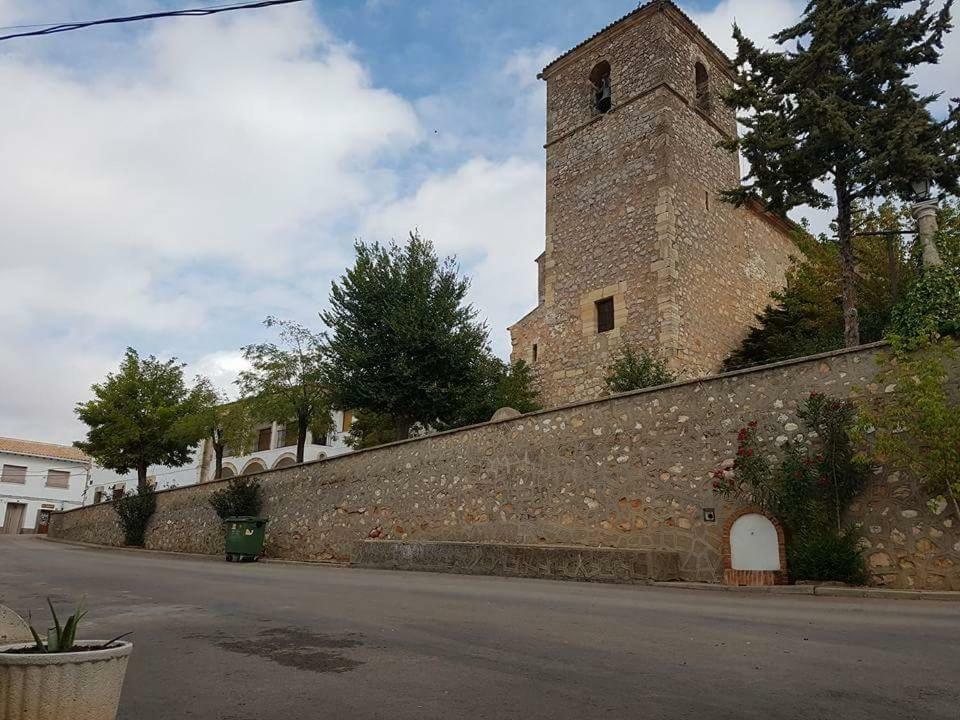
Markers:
point(754, 544)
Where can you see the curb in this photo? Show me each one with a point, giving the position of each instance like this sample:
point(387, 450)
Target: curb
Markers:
point(190, 555)
point(833, 591)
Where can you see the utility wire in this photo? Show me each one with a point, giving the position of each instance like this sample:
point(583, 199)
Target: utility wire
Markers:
point(190, 12)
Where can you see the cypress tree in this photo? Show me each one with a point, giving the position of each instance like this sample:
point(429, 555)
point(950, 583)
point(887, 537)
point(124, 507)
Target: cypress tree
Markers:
point(837, 108)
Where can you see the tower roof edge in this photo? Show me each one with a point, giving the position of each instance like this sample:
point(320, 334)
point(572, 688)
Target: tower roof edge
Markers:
point(667, 7)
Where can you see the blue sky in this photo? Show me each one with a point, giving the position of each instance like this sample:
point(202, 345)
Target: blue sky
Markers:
point(167, 185)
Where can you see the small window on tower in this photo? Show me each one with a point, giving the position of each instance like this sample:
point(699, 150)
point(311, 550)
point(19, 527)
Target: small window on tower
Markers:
point(602, 92)
point(703, 86)
point(605, 315)
point(534, 352)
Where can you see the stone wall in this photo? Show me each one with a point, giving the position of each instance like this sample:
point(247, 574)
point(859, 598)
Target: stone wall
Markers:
point(632, 471)
point(633, 213)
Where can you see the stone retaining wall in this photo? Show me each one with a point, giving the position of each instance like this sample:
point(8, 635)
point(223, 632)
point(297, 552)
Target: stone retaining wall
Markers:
point(551, 562)
point(631, 471)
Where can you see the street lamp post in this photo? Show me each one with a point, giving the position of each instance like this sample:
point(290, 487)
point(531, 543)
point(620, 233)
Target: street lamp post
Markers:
point(925, 213)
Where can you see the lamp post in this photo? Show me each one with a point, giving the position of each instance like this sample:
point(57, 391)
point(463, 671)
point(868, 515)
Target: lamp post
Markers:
point(924, 211)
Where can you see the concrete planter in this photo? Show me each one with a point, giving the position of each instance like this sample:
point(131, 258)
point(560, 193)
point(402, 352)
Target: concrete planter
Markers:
point(62, 686)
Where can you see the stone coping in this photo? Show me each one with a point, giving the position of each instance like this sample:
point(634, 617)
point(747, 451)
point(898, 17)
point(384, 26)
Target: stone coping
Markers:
point(548, 411)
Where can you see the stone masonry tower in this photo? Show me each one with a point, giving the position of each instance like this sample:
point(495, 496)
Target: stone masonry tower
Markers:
point(640, 249)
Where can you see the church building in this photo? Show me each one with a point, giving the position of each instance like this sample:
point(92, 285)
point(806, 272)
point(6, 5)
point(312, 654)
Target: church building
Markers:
point(641, 250)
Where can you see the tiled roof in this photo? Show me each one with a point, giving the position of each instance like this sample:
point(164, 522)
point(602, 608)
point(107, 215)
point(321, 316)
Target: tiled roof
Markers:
point(641, 8)
point(42, 449)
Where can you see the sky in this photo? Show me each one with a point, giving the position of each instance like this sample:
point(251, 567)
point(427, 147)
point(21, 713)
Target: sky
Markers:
point(167, 185)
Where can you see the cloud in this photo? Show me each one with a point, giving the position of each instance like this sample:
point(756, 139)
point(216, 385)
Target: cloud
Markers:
point(491, 215)
point(718, 22)
point(222, 368)
point(200, 179)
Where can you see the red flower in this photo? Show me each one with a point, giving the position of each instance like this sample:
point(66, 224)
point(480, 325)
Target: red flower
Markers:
point(749, 452)
point(716, 485)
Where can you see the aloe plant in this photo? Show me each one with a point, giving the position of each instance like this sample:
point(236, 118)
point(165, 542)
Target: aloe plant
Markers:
point(62, 638)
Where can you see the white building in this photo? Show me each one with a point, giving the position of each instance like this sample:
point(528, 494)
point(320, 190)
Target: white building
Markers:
point(272, 447)
point(37, 478)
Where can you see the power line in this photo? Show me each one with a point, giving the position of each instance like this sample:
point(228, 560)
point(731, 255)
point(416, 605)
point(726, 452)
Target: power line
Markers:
point(190, 12)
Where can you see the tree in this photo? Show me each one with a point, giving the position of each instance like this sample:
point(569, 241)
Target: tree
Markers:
point(499, 385)
point(632, 371)
point(403, 343)
point(288, 381)
point(142, 415)
point(840, 109)
point(370, 429)
point(226, 424)
point(806, 316)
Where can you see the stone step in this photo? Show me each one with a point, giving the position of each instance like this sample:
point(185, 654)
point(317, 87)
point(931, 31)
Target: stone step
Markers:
point(555, 562)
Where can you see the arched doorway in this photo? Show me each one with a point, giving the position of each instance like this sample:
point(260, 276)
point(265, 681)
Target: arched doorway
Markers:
point(753, 552)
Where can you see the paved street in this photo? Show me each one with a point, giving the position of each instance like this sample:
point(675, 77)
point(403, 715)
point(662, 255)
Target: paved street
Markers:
point(263, 641)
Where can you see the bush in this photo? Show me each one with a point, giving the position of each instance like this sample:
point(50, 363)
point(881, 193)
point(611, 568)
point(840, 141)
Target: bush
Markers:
point(932, 307)
point(807, 491)
point(240, 498)
point(134, 513)
point(826, 556)
point(635, 372)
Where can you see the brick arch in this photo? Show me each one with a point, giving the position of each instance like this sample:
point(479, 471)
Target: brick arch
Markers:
point(253, 466)
point(753, 577)
point(285, 460)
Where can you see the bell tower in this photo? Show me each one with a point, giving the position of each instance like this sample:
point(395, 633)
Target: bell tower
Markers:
point(640, 251)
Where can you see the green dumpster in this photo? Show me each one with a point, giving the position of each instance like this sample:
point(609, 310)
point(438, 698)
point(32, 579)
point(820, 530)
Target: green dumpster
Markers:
point(244, 538)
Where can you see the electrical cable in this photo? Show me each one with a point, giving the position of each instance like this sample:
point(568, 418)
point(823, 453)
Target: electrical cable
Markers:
point(189, 12)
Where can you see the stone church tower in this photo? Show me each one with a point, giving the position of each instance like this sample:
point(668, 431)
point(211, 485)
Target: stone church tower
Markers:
point(640, 249)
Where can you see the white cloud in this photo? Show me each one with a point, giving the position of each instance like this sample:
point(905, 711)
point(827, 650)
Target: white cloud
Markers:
point(226, 141)
point(222, 368)
point(757, 24)
point(491, 216)
point(193, 183)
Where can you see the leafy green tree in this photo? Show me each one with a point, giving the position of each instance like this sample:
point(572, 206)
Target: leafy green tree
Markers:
point(144, 414)
point(403, 343)
point(226, 424)
point(370, 429)
point(499, 385)
point(633, 371)
point(806, 316)
point(839, 108)
point(287, 381)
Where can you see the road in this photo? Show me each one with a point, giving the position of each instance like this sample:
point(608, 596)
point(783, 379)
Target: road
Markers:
point(262, 641)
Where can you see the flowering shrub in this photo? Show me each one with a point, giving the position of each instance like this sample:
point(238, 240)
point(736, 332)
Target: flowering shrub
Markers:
point(806, 490)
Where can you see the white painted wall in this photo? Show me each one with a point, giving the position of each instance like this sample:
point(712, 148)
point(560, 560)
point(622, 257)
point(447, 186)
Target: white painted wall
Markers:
point(190, 474)
point(754, 544)
point(34, 493)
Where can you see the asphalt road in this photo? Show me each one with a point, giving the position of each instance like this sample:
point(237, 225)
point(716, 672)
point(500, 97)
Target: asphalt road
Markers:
point(262, 641)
